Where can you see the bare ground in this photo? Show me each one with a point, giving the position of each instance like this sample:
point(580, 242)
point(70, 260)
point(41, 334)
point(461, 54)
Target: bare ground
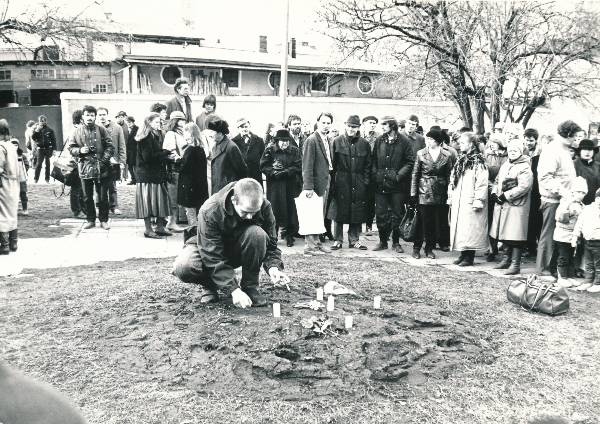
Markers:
point(130, 344)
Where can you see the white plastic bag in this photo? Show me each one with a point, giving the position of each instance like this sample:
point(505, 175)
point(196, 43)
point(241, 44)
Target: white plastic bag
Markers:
point(310, 214)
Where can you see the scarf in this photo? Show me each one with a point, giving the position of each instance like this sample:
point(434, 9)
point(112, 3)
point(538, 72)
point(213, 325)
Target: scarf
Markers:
point(470, 160)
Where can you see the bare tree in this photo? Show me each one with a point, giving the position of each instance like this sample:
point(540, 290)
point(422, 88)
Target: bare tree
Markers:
point(485, 56)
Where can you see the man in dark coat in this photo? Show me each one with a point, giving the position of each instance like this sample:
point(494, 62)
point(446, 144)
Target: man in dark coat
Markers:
point(252, 148)
point(294, 126)
point(316, 167)
point(370, 134)
point(121, 119)
point(45, 140)
point(131, 148)
point(417, 141)
point(534, 226)
point(392, 164)
point(226, 161)
point(236, 227)
point(351, 157)
point(181, 101)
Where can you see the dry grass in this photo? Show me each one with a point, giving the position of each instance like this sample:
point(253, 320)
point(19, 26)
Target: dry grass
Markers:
point(120, 339)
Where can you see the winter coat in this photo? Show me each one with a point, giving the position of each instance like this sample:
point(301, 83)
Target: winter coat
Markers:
point(125, 129)
point(44, 138)
point(468, 227)
point(556, 171)
point(315, 166)
point(152, 160)
point(511, 219)
point(192, 188)
point(9, 186)
point(430, 178)
point(283, 169)
point(535, 188)
point(494, 160)
point(132, 146)
point(227, 164)
point(392, 164)
point(174, 104)
point(92, 165)
point(591, 172)
point(252, 153)
point(416, 140)
point(350, 181)
point(566, 216)
point(118, 141)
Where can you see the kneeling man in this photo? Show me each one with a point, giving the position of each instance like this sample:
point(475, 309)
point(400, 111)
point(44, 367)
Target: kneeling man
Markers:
point(236, 227)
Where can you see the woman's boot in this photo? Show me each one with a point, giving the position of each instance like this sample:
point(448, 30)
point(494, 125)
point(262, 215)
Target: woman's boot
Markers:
point(506, 259)
point(515, 266)
point(13, 238)
point(460, 258)
point(4, 249)
point(469, 258)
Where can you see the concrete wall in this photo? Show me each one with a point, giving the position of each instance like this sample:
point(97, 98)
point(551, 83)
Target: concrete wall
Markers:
point(261, 110)
point(17, 117)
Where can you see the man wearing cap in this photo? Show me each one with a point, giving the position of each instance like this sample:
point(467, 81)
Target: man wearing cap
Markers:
point(416, 140)
point(119, 157)
point(588, 168)
point(252, 148)
point(236, 228)
point(370, 134)
point(392, 165)
point(351, 156)
point(181, 101)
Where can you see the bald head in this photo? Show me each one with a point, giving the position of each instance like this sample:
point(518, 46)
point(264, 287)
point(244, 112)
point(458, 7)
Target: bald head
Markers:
point(248, 197)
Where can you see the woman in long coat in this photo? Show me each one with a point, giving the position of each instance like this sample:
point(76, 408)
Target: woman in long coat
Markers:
point(9, 191)
point(226, 162)
point(511, 195)
point(351, 162)
point(192, 190)
point(282, 165)
point(468, 198)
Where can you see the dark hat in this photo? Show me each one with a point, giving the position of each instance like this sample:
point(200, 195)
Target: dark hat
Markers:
point(121, 113)
point(282, 134)
point(353, 121)
point(587, 144)
point(218, 125)
point(436, 134)
point(370, 118)
point(388, 118)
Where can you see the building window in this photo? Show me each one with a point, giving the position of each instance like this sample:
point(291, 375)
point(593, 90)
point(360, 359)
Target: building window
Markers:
point(319, 82)
point(231, 77)
point(5, 74)
point(274, 80)
point(100, 88)
point(67, 74)
point(169, 74)
point(43, 74)
point(365, 84)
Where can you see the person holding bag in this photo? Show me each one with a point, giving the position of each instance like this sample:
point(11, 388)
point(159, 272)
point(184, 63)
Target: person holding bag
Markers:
point(511, 194)
point(430, 178)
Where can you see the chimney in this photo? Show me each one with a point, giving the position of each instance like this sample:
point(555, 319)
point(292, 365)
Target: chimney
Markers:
point(293, 48)
point(262, 43)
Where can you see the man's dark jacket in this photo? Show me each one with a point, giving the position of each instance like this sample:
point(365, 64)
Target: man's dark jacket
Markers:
point(251, 152)
point(392, 164)
point(45, 138)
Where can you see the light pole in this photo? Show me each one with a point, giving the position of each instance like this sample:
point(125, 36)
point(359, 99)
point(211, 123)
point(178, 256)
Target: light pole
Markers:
point(284, 60)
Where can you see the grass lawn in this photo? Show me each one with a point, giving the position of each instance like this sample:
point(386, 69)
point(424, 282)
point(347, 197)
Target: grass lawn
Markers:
point(130, 344)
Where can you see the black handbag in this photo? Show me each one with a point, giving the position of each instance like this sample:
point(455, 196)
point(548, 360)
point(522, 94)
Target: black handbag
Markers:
point(64, 169)
point(409, 226)
point(509, 183)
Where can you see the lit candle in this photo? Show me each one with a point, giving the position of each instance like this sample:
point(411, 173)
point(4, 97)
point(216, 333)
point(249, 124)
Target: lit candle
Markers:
point(348, 321)
point(276, 310)
point(377, 302)
point(320, 293)
point(330, 303)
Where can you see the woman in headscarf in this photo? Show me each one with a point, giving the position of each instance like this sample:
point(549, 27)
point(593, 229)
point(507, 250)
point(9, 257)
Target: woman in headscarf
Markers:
point(174, 142)
point(468, 197)
point(511, 194)
point(9, 190)
point(152, 196)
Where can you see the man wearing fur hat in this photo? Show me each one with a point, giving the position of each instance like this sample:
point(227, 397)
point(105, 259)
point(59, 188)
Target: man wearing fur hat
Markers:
point(252, 148)
point(588, 168)
point(370, 134)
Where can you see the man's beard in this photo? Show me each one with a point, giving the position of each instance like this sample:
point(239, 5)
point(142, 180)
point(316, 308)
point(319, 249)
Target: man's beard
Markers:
point(296, 131)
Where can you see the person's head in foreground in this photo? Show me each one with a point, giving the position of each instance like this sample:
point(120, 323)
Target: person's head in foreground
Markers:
point(248, 198)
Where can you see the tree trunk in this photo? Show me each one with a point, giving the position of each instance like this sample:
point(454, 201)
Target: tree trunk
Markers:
point(480, 111)
point(464, 107)
point(529, 110)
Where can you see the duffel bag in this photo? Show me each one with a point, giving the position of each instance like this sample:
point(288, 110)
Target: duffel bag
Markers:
point(535, 295)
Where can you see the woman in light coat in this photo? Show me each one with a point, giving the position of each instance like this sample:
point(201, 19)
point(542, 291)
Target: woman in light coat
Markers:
point(9, 191)
point(511, 194)
point(468, 197)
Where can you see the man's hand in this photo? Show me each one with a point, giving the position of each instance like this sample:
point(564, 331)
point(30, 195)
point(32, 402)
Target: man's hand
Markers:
point(279, 278)
point(240, 299)
point(84, 150)
point(308, 193)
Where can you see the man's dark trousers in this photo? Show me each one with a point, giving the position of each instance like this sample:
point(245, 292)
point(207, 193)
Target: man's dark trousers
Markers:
point(44, 156)
point(101, 187)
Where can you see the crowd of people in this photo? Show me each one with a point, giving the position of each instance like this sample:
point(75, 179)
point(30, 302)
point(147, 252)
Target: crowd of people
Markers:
point(510, 192)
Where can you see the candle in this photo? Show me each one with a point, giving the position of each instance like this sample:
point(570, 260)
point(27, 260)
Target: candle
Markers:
point(320, 293)
point(276, 310)
point(377, 302)
point(330, 303)
point(348, 321)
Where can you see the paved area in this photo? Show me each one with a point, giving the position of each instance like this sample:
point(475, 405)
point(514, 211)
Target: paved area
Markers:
point(125, 240)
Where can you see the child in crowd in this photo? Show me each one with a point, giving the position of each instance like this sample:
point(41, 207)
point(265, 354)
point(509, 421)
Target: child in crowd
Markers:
point(566, 215)
point(23, 167)
point(588, 226)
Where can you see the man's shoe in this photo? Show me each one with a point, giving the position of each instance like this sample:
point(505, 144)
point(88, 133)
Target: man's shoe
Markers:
point(397, 248)
point(380, 246)
point(289, 241)
point(255, 296)
point(89, 225)
point(429, 254)
point(322, 238)
point(324, 249)
point(117, 211)
point(105, 225)
point(416, 254)
point(358, 245)
point(313, 252)
point(163, 232)
point(490, 257)
point(25, 212)
point(151, 235)
point(209, 296)
point(175, 228)
point(337, 245)
point(445, 248)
